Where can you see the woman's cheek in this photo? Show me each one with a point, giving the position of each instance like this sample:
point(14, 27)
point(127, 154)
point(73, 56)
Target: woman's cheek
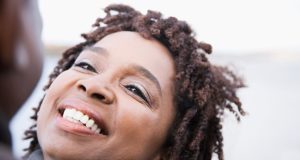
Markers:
point(136, 121)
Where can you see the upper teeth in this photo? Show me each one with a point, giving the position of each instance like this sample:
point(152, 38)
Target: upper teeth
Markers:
point(76, 116)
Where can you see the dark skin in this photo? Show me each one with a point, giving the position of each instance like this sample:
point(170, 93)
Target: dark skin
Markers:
point(20, 69)
point(123, 87)
point(8, 32)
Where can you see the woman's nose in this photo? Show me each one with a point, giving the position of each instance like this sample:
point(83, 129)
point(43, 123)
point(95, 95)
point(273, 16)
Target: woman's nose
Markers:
point(96, 89)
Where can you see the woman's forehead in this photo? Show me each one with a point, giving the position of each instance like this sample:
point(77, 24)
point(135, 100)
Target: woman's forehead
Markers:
point(131, 41)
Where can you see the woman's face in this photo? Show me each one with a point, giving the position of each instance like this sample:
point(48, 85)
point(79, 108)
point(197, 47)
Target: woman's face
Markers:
point(115, 102)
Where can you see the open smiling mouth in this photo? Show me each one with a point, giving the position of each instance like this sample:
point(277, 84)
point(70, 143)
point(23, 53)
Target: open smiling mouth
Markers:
point(75, 116)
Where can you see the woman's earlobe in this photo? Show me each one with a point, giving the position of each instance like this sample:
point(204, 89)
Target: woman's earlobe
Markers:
point(159, 156)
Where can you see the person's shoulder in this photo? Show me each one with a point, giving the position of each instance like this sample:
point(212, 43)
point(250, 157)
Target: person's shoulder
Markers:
point(36, 155)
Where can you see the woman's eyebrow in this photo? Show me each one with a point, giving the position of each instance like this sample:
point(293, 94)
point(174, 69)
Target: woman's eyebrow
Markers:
point(98, 50)
point(146, 73)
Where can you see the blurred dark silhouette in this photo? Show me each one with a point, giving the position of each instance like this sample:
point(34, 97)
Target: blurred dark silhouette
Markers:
point(21, 60)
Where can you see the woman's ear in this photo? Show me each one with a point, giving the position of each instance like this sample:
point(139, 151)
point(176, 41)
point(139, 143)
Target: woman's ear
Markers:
point(158, 156)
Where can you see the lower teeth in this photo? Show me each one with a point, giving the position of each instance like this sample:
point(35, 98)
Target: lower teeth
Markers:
point(95, 129)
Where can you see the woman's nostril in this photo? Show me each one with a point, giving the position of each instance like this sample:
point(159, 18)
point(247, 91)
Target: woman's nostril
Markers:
point(82, 87)
point(95, 91)
point(98, 96)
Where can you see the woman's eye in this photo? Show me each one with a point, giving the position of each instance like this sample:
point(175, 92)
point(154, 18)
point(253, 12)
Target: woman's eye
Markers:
point(135, 90)
point(85, 66)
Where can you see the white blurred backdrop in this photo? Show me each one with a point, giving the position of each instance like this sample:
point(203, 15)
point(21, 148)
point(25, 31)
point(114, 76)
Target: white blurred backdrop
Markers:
point(259, 39)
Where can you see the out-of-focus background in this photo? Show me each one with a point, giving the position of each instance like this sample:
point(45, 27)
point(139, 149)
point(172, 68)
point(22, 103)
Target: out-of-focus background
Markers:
point(259, 39)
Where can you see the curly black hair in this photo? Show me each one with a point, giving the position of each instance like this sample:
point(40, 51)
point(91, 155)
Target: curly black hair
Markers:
point(202, 90)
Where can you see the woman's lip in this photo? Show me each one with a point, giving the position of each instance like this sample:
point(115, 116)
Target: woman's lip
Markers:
point(74, 128)
point(85, 108)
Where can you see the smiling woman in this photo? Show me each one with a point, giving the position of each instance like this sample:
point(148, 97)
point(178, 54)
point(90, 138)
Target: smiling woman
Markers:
point(140, 87)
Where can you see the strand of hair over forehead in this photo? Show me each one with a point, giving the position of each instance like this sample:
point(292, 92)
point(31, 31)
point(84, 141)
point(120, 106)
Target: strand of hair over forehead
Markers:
point(203, 90)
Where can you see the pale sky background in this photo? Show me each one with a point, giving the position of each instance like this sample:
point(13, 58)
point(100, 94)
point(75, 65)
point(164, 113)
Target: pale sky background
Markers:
point(231, 26)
